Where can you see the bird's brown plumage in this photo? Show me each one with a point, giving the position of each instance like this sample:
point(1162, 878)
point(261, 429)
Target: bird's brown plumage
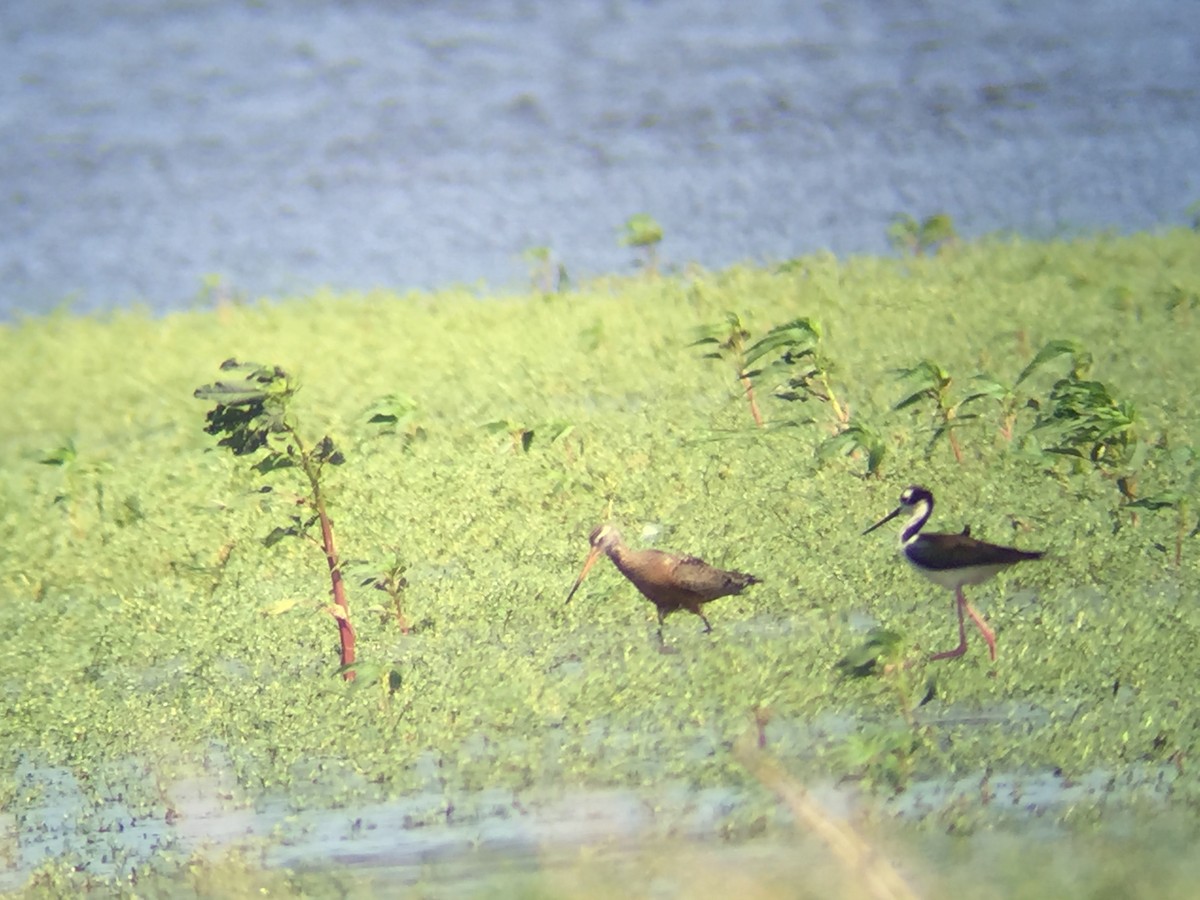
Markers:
point(671, 581)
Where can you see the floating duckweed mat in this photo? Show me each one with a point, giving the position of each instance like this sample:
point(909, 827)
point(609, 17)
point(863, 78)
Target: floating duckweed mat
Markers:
point(171, 683)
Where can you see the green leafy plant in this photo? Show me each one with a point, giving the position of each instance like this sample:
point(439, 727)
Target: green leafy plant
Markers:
point(887, 753)
point(793, 350)
point(881, 651)
point(1003, 395)
point(932, 384)
point(853, 439)
point(1080, 418)
point(1180, 496)
point(397, 414)
point(908, 235)
point(392, 581)
point(520, 436)
point(82, 481)
point(251, 416)
point(546, 274)
point(643, 232)
point(728, 340)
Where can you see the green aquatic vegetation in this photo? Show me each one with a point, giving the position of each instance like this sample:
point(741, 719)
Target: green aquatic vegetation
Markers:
point(252, 418)
point(728, 340)
point(930, 235)
point(856, 438)
point(643, 232)
point(887, 753)
point(1080, 418)
point(932, 383)
point(174, 638)
point(793, 351)
point(392, 581)
point(1178, 491)
point(519, 436)
point(397, 414)
point(547, 274)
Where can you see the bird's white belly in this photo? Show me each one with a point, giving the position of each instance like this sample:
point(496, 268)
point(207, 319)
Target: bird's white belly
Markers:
point(953, 579)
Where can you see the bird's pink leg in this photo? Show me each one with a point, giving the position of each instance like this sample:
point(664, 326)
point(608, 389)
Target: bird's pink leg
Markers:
point(988, 634)
point(959, 602)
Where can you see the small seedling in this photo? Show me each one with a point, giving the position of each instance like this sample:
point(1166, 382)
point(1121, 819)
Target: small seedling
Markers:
point(392, 581)
point(397, 414)
point(887, 753)
point(546, 274)
point(932, 384)
point(520, 436)
point(729, 339)
point(794, 350)
point(1003, 395)
point(252, 418)
point(216, 293)
point(1181, 497)
point(908, 235)
point(77, 477)
point(881, 652)
point(856, 438)
point(643, 232)
point(1080, 419)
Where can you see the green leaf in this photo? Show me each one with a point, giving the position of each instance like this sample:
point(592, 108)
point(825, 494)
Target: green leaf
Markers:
point(641, 230)
point(799, 336)
point(1053, 350)
point(1164, 500)
point(278, 534)
point(273, 461)
point(61, 455)
point(920, 395)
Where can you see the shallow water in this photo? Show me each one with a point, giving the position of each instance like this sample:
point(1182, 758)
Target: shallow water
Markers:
point(461, 837)
point(147, 145)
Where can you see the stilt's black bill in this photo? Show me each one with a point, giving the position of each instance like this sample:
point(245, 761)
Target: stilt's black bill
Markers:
point(895, 512)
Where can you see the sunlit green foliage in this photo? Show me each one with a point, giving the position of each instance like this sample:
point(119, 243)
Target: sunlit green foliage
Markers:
point(145, 621)
point(644, 233)
point(728, 342)
point(252, 417)
point(932, 384)
point(930, 234)
point(793, 352)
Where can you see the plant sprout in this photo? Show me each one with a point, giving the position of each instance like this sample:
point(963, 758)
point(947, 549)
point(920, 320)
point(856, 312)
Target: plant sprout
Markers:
point(856, 438)
point(729, 342)
point(796, 346)
point(252, 418)
point(1080, 418)
point(919, 238)
point(643, 232)
point(932, 384)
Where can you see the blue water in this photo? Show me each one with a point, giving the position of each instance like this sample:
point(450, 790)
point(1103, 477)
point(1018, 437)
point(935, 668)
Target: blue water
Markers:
point(281, 145)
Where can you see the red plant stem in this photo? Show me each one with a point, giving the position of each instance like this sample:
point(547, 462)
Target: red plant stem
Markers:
point(954, 446)
point(338, 589)
point(758, 419)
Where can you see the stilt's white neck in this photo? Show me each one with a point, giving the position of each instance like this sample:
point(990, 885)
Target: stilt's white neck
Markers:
point(920, 515)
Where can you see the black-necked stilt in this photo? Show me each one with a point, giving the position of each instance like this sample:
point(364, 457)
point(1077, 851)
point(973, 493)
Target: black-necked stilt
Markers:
point(951, 560)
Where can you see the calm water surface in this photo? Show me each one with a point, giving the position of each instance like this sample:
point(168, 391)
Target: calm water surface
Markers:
point(145, 145)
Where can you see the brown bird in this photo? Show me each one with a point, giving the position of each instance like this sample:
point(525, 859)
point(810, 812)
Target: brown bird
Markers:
point(952, 561)
point(670, 581)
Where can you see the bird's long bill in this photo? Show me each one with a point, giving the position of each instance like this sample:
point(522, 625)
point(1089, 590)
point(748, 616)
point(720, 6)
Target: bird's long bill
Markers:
point(895, 512)
point(591, 561)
